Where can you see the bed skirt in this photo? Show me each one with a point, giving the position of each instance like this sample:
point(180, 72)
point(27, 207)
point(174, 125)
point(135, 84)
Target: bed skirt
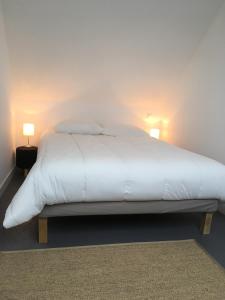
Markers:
point(129, 207)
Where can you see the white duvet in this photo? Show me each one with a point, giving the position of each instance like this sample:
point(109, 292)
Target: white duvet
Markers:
point(79, 168)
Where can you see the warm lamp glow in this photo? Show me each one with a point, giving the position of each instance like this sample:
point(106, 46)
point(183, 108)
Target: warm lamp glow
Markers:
point(28, 129)
point(157, 126)
point(155, 133)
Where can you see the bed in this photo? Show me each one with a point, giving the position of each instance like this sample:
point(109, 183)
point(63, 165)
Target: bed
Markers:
point(94, 169)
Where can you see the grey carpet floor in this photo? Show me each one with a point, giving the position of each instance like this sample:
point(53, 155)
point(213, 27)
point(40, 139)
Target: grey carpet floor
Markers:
point(95, 230)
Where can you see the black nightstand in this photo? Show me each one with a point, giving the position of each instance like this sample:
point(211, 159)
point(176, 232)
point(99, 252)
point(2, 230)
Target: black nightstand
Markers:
point(26, 157)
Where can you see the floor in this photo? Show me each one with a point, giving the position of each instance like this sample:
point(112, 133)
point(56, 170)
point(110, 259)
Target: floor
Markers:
point(75, 231)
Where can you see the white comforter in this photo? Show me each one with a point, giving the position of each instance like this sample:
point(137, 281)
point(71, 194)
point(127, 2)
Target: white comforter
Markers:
point(77, 168)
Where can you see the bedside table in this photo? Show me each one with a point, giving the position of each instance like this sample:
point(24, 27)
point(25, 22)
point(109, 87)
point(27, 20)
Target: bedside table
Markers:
point(26, 157)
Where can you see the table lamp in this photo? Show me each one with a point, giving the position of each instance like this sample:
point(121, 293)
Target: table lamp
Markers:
point(28, 130)
point(155, 133)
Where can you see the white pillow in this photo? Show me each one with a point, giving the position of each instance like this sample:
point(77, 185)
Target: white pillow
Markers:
point(78, 128)
point(123, 130)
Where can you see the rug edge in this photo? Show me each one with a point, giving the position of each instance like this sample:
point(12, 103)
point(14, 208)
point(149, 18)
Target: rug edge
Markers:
point(210, 256)
point(96, 245)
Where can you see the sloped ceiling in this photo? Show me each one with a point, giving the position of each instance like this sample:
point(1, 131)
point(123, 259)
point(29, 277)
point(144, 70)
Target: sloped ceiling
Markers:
point(134, 50)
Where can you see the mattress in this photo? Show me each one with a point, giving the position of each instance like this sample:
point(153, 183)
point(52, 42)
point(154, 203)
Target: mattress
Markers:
point(101, 168)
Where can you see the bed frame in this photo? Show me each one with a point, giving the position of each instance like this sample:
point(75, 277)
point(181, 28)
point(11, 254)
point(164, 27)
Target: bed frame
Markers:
point(205, 206)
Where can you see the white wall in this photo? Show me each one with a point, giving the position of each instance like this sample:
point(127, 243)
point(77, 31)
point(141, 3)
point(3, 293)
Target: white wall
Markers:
point(116, 59)
point(199, 123)
point(6, 153)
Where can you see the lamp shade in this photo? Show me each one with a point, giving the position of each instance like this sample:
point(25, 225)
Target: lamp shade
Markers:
point(155, 133)
point(28, 129)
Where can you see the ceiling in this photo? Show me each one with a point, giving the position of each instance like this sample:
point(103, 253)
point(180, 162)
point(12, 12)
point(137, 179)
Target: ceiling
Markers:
point(129, 46)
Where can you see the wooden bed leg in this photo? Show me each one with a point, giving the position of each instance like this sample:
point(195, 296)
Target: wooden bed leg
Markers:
point(206, 224)
point(42, 230)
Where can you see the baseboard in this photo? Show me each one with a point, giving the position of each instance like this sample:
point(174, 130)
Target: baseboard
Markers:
point(6, 181)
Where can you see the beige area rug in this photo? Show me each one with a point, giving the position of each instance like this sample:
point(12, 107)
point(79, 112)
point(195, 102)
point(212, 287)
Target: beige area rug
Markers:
point(160, 270)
